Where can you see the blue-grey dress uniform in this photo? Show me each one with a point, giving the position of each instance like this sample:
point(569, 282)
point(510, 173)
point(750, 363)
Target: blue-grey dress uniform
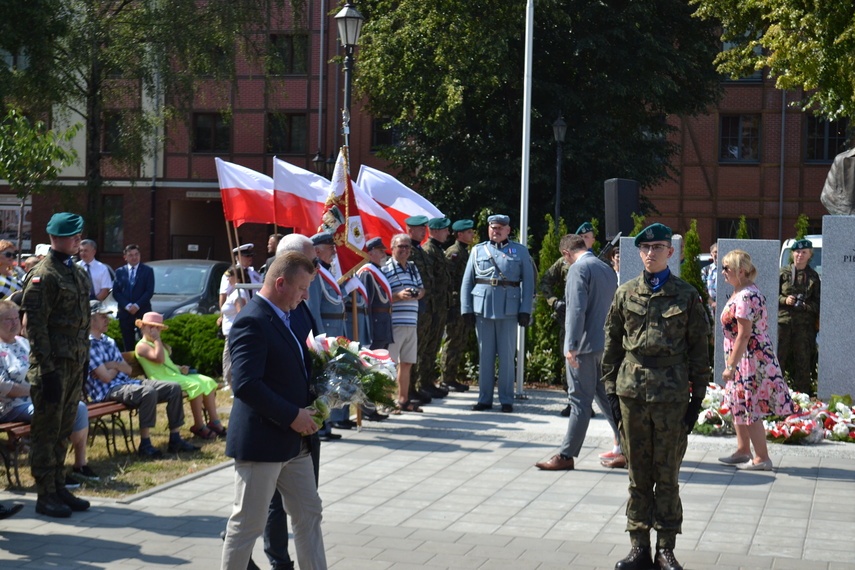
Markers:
point(363, 321)
point(326, 303)
point(497, 286)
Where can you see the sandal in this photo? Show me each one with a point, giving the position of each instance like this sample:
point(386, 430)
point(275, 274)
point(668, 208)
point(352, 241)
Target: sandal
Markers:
point(203, 432)
point(409, 407)
point(218, 428)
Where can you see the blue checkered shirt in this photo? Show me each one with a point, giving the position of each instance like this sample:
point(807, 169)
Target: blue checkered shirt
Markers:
point(100, 351)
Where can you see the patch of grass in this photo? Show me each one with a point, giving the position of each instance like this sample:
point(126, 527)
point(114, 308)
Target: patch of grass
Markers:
point(127, 473)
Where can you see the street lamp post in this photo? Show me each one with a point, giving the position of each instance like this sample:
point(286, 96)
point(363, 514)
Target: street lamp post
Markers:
point(349, 22)
point(559, 130)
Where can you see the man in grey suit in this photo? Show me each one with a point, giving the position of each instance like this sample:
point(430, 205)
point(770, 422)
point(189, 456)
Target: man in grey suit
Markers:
point(496, 297)
point(588, 295)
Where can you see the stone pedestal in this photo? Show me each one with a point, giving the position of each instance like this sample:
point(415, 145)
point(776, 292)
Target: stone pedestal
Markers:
point(837, 309)
point(765, 256)
point(630, 260)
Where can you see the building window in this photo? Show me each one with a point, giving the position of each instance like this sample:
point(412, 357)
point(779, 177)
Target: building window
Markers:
point(112, 127)
point(289, 54)
point(114, 225)
point(739, 138)
point(211, 133)
point(754, 77)
point(826, 139)
point(18, 60)
point(383, 134)
point(286, 133)
point(729, 227)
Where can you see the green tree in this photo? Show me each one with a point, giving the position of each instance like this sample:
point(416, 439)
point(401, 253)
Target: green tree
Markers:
point(802, 225)
point(638, 224)
point(449, 77)
point(690, 270)
point(544, 361)
point(805, 45)
point(31, 156)
point(742, 230)
point(135, 64)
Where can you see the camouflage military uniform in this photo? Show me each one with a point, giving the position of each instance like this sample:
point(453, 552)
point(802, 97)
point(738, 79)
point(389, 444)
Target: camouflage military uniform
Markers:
point(432, 321)
point(456, 331)
point(655, 351)
point(552, 289)
point(56, 301)
point(797, 325)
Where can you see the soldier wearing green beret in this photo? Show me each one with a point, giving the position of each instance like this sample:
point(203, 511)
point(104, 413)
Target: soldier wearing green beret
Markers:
point(798, 315)
point(586, 232)
point(656, 370)
point(456, 330)
point(437, 284)
point(56, 302)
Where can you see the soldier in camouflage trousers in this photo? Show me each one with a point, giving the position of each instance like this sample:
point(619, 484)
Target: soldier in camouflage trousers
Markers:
point(656, 369)
point(456, 330)
point(56, 302)
point(798, 311)
point(437, 282)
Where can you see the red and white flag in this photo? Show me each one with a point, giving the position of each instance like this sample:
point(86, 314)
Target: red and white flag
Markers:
point(248, 195)
point(377, 221)
point(399, 200)
point(341, 219)
point(300, 196)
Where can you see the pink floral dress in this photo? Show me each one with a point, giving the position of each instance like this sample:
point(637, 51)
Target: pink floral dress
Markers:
point(757, 388)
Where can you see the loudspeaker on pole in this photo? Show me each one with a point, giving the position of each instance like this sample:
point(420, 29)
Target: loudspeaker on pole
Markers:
point(621, 200)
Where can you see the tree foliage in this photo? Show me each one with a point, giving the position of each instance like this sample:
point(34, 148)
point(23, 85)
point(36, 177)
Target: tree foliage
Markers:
point(802, 225)
point(742, 230)
point(448, 76)
point(638, 224)
point(690, 270)
point(807, 45)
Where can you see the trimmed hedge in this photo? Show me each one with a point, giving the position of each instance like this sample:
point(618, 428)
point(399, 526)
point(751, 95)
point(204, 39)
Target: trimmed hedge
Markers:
point(194, 343)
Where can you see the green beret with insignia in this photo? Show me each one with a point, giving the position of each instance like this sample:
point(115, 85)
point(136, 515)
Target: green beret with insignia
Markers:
point(64, 224)
point(584, 228)
point(802, 244)
point(439, 223)
point(415, 221)
point(654, 232)
point(462, 225)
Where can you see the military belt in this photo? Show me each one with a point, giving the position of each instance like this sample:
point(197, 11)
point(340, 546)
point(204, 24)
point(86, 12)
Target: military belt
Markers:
point(72, 332)
point(381, 309)
point(497, 282)
point(332, 315)
point(655, 361)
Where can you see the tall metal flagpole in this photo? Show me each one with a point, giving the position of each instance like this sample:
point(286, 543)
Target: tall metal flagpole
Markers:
point(526, 151)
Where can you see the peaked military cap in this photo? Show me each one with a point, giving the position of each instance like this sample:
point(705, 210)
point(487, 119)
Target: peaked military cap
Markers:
point(462, 225)
point(64, 224)
point(415, 221)
point(584, 228)
point(245, 249)
point(439, 223)
point(323, 238)
point(654, 232)
point(374, 243)
point(500, 219)
point(802, 244)
point(98, 308)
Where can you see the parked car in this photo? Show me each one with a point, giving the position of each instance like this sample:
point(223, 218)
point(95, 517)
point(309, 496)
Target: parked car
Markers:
point(816, 258)
point(184, 286)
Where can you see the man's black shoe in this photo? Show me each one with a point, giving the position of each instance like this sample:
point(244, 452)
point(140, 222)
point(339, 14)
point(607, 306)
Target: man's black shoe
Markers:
point(456, 386)
point(180, 445)
point(424, 396)
point(434, 392)
point(150, 452)
point(567, 411)
point(343, 424)
point(375, 416)
point(481, 407)
point(6, 513)
point(76, 504)
point(329, 436)
point(638, 559)
point(665, 559)
point(507, 408)
point(51, 505)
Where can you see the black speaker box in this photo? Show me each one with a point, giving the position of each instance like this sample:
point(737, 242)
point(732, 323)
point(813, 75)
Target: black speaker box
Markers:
point(621, 202)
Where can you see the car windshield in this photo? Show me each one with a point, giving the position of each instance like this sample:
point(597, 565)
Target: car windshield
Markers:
point(179, 280)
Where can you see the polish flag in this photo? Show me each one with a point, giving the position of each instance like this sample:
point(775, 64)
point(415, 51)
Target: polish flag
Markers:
point(248, 195)
point(300, 196)
point(341, 218)
point(377, 221)
point(397, 199)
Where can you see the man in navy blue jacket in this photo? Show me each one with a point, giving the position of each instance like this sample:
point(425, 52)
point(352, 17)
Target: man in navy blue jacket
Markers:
point(269, 424)
point(132, 290)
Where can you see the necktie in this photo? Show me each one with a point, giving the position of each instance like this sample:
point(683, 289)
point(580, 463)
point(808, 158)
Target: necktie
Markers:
point(133, 275)
point(91, 283)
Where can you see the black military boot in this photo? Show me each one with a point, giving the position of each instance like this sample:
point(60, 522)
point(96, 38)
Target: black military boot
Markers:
point(665, 559)
point(639, 558)
point(51, 505)
point(74, 503)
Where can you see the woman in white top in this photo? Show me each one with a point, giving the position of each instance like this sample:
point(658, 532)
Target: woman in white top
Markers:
point(234, 302)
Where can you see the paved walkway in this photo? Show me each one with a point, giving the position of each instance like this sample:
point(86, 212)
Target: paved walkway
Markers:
point(456, 489)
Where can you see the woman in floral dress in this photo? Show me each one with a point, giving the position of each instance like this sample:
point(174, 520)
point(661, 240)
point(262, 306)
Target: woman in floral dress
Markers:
point(755, 387)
